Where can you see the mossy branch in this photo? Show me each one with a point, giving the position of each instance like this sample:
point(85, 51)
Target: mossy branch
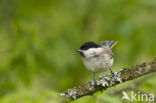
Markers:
point(105, 82)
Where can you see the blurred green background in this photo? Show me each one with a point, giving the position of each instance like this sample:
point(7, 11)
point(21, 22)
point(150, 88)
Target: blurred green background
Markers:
point(38, 40)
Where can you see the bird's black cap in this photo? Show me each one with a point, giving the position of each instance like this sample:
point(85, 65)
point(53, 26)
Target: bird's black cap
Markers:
point(89, 45)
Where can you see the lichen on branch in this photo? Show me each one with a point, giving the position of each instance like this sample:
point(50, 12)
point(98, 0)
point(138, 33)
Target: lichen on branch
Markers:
point(105, 82)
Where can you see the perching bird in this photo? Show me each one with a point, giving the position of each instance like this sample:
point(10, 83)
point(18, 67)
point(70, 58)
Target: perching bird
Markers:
point(97, 58)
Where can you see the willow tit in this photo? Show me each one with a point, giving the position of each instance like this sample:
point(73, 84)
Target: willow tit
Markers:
point(97, 58)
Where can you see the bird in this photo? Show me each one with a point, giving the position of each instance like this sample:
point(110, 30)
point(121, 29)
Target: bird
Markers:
point(97, 58)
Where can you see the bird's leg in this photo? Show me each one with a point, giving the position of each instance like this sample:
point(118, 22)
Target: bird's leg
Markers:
point(94, 79)
point(115, 76)
point(112, 73)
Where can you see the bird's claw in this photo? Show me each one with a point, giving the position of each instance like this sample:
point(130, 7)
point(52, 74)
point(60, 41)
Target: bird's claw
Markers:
point(113, 74)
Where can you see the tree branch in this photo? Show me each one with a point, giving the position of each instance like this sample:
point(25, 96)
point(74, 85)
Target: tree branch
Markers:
point(133, 86)
point(105, 82)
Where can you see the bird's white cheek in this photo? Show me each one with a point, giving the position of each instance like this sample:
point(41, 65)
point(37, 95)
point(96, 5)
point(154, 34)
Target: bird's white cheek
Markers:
point(90, 53)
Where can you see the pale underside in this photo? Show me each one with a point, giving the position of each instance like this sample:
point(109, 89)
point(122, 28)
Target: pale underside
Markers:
point(98, 60)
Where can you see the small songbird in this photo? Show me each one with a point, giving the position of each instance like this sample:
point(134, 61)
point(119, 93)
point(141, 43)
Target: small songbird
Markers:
point(97, 58)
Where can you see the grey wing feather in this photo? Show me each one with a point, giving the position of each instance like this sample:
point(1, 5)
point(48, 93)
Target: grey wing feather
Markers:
point(109, 43)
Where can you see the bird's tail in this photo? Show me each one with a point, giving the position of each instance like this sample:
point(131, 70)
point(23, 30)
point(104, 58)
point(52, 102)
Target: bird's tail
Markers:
point(109, 43)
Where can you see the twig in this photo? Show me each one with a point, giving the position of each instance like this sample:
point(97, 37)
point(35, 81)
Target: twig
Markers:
point(133, 86)
point(105, 82)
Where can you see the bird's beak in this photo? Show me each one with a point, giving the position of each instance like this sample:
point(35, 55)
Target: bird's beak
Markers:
point(79, 51)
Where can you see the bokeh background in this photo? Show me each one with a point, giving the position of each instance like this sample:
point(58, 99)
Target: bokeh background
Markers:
point(38, 40)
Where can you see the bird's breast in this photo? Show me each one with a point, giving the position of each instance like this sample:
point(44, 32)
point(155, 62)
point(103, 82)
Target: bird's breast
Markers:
point(98, 65)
